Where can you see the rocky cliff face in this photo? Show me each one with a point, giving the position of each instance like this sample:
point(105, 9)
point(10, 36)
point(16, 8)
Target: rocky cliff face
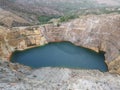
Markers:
point(19, 39)
point(99, 33)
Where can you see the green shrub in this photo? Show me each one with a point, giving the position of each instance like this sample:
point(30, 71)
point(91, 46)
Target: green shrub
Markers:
point(67, 18)
point(44, 19)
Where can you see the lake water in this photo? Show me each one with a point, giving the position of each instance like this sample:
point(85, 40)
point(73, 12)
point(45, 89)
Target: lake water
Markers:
point(63, 54)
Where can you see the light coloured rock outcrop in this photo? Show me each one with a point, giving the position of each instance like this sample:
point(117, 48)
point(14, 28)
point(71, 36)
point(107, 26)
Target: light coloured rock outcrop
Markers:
point(96, 32)
point(19, 39)
point(18, 77)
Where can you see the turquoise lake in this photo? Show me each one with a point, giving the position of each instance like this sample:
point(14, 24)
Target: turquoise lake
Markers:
point(63, 54)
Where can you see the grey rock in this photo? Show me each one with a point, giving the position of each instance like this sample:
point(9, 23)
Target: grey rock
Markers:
point(55, 79)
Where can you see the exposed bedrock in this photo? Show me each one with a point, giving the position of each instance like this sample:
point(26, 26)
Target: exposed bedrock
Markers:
point(96, 32)
point(18, 77)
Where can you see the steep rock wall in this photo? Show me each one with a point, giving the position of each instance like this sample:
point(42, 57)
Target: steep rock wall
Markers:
point(19, 39)
point(99, 33)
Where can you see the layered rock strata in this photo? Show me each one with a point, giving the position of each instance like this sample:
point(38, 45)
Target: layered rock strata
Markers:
point(96, 32)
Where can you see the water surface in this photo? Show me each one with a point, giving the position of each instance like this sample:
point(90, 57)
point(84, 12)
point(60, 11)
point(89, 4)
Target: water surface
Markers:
point(63, 54)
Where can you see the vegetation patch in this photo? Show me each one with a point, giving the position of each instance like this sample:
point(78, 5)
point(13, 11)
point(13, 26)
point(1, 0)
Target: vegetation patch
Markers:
point(68, 17)
point(45, 19)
